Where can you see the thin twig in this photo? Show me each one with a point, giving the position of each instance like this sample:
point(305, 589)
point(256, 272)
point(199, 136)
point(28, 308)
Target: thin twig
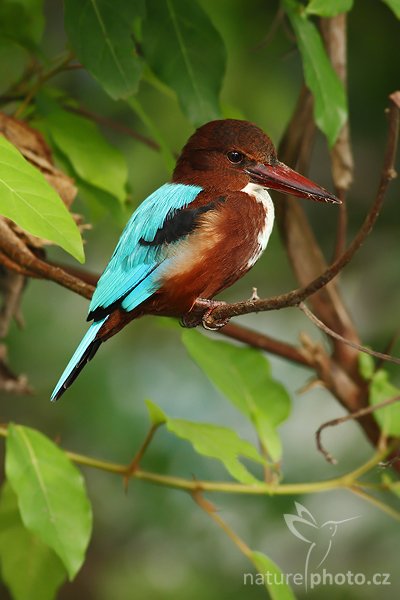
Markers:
point(269, 36)
point(388, 348)
point(42, 78)
point(352, 416)
point(111, 124)
point(340, 338)
point(294, 297)
point(134, 465)
point(392, 512)
point(211, 511)
point(77, 272)
point(15, 267)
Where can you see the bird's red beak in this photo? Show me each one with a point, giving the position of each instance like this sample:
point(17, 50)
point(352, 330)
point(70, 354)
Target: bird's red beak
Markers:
point(283, 179)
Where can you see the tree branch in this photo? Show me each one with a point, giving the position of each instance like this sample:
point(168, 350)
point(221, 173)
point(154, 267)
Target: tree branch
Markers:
point(231, 487)
point(334, 31)
point(231, 330)
point(351, 417)
point(266, 343)
point(294, 297)
point(19, 254)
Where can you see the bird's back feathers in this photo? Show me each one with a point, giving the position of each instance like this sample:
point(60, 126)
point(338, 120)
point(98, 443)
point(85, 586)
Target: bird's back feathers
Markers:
point(136, 258)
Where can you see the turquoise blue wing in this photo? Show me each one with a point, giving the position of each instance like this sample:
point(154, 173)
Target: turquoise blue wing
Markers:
point(133, 273)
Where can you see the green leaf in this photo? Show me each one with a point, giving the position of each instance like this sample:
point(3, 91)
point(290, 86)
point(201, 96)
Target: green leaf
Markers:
point(394, 5)
point(22, 21)
point(27, 199)
point(272, 577)
point(157, 416)
point(243, 375)
point(35, 18)
point(29, 568)
point(328, 8)
point(168, 157)
point(178, 41)
point(100, 203)
point(100, 32)
point(330, 104)
point(51, 494)
point(366, 366)
point(381, 389)
point(93, 159)
point(13, 59)
point(220, 443)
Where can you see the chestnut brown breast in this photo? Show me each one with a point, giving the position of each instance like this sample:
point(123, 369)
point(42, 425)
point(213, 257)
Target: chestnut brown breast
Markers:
point(223, 247)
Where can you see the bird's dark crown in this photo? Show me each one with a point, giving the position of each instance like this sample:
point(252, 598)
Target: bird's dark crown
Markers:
point(217, 154)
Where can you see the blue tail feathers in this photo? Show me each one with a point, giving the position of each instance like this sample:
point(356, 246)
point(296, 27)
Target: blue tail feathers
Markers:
point(84, 352)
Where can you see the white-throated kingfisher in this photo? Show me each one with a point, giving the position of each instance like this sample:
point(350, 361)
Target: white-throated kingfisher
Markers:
point(193, 237)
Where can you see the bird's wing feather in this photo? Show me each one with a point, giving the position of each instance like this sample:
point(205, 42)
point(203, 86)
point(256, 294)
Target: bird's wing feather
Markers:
point(132, 274)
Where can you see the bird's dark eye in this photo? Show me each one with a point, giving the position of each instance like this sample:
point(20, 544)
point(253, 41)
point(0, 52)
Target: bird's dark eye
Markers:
point(235, 157)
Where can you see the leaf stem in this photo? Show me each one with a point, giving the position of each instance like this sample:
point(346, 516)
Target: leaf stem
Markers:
point(392, 512)
point(211, 511)
point(134, 465)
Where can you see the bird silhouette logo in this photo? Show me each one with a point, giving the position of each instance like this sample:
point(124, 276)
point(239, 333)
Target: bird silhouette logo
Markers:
point(319, 537)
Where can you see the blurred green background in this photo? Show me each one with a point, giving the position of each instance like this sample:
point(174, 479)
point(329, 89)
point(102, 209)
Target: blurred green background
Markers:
point(153, 542)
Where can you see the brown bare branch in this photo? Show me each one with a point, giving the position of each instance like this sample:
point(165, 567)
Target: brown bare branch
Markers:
point(265, 342)
point(18, 253)
point(294, 297)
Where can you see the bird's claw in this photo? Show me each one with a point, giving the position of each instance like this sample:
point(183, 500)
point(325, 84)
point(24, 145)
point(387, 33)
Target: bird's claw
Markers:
point(216, 326)
point(198, 316)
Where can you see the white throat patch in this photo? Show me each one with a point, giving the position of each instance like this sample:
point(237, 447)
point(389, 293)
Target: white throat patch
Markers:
point(262, 196)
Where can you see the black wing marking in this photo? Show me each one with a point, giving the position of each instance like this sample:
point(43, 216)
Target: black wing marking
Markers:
point(180, 223)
